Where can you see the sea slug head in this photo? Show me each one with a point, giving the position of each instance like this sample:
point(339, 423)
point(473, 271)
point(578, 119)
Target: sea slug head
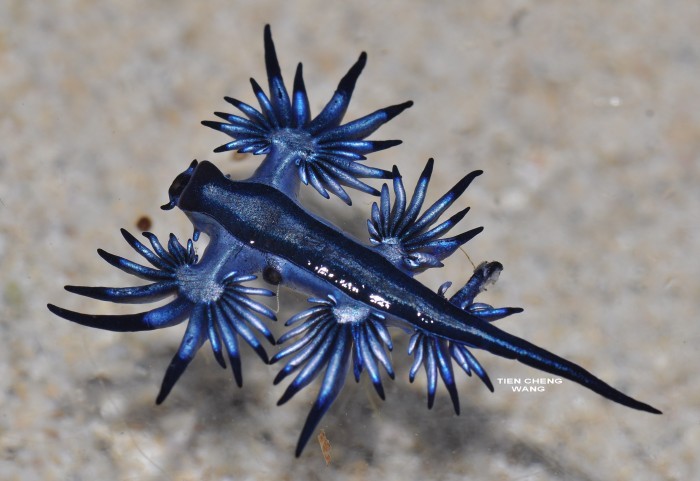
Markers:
point(178, 186)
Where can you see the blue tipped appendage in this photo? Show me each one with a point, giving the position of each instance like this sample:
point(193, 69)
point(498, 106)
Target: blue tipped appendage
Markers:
point(329, 334)
point(409, 241)
point(319, 151)
point(219, 310)
point(435, 354)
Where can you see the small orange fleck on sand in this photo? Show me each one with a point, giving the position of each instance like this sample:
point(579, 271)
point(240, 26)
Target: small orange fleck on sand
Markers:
point(325, 446)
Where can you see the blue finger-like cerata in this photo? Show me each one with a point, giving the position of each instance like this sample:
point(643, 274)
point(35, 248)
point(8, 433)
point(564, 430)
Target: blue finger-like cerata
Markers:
point(358, 292)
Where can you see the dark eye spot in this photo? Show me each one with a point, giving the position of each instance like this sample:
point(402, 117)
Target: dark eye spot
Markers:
point(272, 275)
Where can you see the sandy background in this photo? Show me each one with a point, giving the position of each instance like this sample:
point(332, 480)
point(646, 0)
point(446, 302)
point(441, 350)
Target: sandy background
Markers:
point(585, 118)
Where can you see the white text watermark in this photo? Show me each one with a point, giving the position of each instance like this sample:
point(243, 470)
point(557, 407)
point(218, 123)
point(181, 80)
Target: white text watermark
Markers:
point(529, 384)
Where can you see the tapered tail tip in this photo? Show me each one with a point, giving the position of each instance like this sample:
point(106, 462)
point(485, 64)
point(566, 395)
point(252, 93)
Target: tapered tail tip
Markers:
point(647, 408)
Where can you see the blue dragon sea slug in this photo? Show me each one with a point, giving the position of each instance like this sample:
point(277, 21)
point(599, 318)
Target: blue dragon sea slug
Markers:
point(258, 226)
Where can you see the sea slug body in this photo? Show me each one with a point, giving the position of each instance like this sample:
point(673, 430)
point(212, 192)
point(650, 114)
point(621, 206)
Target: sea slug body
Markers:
point(257, 226)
